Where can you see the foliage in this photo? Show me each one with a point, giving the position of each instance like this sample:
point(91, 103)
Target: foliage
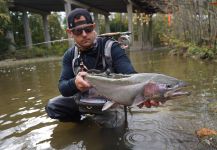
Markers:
point(186, 48)
point(55, 29)
point(18, 29)
point(4, 26)
point(119, 23)
point(196, 23)
point(159, 28)
point(102, 24)
point(202, 52)
point(64, 23)
point(4, 17)
point(36, 27)
point(57, 49)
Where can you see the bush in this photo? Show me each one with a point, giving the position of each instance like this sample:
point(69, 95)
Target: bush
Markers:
point(189, 49)
point(56, 49)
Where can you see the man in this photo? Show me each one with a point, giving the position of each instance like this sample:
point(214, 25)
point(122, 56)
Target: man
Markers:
point(90, 53)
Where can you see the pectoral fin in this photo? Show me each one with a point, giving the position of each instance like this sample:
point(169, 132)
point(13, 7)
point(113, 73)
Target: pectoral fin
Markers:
point(107, 105)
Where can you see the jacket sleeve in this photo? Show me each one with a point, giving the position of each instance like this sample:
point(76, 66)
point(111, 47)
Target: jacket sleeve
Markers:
point(67, 85)
point(121, 62)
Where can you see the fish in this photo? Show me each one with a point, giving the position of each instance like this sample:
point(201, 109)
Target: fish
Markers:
point(135, 89)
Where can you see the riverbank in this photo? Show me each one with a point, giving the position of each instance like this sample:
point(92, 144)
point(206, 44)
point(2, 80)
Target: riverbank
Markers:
point(173, 51)
point(188, 49)
point(13, 62)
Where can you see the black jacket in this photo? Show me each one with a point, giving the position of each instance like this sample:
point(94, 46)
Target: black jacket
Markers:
point(92, 59)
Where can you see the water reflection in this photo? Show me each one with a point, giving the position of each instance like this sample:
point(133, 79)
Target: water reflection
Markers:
point(162, 129)
point(25, 90)
point(86, 135)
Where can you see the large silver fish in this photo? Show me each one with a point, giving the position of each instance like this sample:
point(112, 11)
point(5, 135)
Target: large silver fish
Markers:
point(135, 89)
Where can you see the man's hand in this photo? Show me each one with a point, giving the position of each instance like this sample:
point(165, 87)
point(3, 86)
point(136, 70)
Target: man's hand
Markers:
point(80, 83)
point(149, 104)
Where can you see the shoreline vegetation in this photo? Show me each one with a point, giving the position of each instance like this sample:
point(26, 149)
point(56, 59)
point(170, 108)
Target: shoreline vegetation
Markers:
point(190, 50)
point(176, 47)
point(14, 62)
point(36, 54)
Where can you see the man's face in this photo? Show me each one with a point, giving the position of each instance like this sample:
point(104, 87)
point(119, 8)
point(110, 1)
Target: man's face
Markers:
point(84, 34)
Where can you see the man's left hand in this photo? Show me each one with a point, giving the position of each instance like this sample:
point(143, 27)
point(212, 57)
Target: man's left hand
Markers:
point(150, 103)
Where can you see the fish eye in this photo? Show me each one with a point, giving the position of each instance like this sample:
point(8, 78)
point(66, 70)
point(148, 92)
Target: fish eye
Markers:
point(168, 86)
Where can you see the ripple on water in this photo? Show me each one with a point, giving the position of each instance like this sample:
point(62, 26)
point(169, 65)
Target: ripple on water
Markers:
point(7, 122)
point(2, 116)
point(153, 138)
point(150, 139)
point(35, 139)
point(30, 111)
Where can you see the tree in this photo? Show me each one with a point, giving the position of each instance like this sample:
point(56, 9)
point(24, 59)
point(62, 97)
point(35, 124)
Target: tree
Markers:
point(195, 21)
point(36, 26)
point(119, 23)
point(5, 26)
point(17, 28)
point(56, 31)
point(160, 27)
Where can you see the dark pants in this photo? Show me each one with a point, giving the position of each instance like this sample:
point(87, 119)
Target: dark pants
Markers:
point(63, 108)
point(66, 110)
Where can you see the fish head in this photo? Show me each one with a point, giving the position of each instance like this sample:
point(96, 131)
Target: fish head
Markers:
point(164, 89)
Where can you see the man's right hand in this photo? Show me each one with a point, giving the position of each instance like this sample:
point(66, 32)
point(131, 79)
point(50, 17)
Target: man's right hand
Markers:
point(80, 83)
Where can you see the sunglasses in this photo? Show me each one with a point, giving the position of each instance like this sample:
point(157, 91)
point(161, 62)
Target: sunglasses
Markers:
point(79, 31)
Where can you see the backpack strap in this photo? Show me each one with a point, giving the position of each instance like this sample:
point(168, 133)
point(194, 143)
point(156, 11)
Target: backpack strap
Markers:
point(75, 68)
point(107, 59)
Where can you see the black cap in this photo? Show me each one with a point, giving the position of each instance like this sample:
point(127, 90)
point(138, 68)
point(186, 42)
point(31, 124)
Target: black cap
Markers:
point(76, 13)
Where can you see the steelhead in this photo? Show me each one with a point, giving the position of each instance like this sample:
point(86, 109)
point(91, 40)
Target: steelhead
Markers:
point(135, 89)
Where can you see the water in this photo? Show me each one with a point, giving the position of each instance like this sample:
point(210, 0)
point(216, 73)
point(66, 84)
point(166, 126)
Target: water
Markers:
point(25, 90)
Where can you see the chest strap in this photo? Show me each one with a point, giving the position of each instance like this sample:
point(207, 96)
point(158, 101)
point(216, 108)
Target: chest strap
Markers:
point(106, 58)
point(76, 56)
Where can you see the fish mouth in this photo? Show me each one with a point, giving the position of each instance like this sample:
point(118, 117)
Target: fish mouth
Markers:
point(178, 91)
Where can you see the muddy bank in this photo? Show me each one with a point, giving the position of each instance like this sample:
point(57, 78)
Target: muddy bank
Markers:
point(13, 62)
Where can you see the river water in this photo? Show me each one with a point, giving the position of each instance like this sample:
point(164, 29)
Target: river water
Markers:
point(25, 90)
